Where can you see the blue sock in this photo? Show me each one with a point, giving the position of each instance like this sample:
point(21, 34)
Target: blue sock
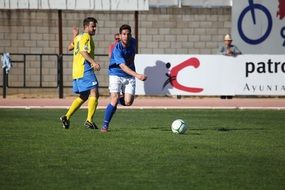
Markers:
point(122, 101)
point(109, 112)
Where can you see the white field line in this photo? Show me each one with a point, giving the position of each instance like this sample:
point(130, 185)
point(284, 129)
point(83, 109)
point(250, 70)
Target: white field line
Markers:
point(151, 107)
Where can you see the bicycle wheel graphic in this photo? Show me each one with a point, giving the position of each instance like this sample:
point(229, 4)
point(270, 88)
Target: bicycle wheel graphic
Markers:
point(251, 8)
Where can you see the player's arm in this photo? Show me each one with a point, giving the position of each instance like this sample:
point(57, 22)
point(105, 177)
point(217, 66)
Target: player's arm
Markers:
point(75, 32)
point(222, 51)
point(84, 51)
point(70, 46)
point(237, 51)
point(87, 57)
point(129, 71)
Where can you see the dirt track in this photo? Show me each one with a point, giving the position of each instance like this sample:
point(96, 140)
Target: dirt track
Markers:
point(162, 102)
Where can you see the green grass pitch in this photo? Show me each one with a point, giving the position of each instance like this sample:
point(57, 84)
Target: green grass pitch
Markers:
point(222, 149)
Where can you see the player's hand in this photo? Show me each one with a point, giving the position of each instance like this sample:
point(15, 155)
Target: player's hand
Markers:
point(230, 52)
point(141, 77)
point(96, 66)
point(75, 31)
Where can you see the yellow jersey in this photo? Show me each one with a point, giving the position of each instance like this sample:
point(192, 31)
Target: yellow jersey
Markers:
point(82, 42)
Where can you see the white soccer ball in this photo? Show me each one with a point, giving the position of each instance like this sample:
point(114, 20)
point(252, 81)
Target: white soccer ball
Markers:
point(178, 126)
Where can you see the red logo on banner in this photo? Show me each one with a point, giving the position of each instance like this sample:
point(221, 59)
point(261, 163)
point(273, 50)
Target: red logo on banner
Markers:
point(281, 11)
point(193, 62)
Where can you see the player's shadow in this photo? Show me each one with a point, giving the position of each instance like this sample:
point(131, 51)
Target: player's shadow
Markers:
point(157, 75)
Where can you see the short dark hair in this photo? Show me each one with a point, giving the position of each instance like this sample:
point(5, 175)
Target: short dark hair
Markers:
point(125, 27)
point(87, 20)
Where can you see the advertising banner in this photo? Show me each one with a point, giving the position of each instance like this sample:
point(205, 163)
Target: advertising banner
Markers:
point(258, 26)
point(208, 75)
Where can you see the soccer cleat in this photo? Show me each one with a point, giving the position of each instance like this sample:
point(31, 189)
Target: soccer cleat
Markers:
point(65, 122)
point(90, 125)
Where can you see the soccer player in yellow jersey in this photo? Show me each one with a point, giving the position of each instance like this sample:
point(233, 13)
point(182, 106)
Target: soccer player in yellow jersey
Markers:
point(84, 79)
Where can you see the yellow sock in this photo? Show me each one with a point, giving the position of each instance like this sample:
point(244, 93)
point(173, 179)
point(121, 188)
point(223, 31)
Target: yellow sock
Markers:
point(74, 106)
point(92, 106)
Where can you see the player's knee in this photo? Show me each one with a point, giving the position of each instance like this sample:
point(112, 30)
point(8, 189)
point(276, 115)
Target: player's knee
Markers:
point(84, 96)
point(95, 93)
point(128, 103)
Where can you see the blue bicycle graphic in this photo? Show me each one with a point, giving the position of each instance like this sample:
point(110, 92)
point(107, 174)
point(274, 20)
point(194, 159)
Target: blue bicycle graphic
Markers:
point(252, 8)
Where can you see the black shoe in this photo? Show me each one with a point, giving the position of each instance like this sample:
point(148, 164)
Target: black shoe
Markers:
point(65, 122)
point(90, 125)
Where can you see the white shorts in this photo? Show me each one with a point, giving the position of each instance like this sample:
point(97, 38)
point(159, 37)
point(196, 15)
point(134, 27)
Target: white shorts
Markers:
point(122, 84)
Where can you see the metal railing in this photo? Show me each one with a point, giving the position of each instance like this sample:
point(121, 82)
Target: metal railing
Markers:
point(22, 58)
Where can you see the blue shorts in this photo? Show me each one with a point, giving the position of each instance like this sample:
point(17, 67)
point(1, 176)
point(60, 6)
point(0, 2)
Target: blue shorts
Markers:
point(87, 82)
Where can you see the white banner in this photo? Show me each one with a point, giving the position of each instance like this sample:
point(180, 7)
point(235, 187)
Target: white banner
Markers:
point(164, 3)
point(192, 3)
point(211, 75)
point(206, 3)
point(111, 5)
point(258, 26)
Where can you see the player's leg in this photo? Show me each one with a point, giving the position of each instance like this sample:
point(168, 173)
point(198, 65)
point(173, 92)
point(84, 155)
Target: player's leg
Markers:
point(89, 83)
point(110, 110)
point(75, 105)
point(128, 92)
point(128, 99)
point(92, 107)
point(115, 85)
point(121, 100)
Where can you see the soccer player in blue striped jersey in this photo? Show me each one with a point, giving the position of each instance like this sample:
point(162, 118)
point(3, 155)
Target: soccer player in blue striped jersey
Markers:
point(122, 74)
point(84, 79)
